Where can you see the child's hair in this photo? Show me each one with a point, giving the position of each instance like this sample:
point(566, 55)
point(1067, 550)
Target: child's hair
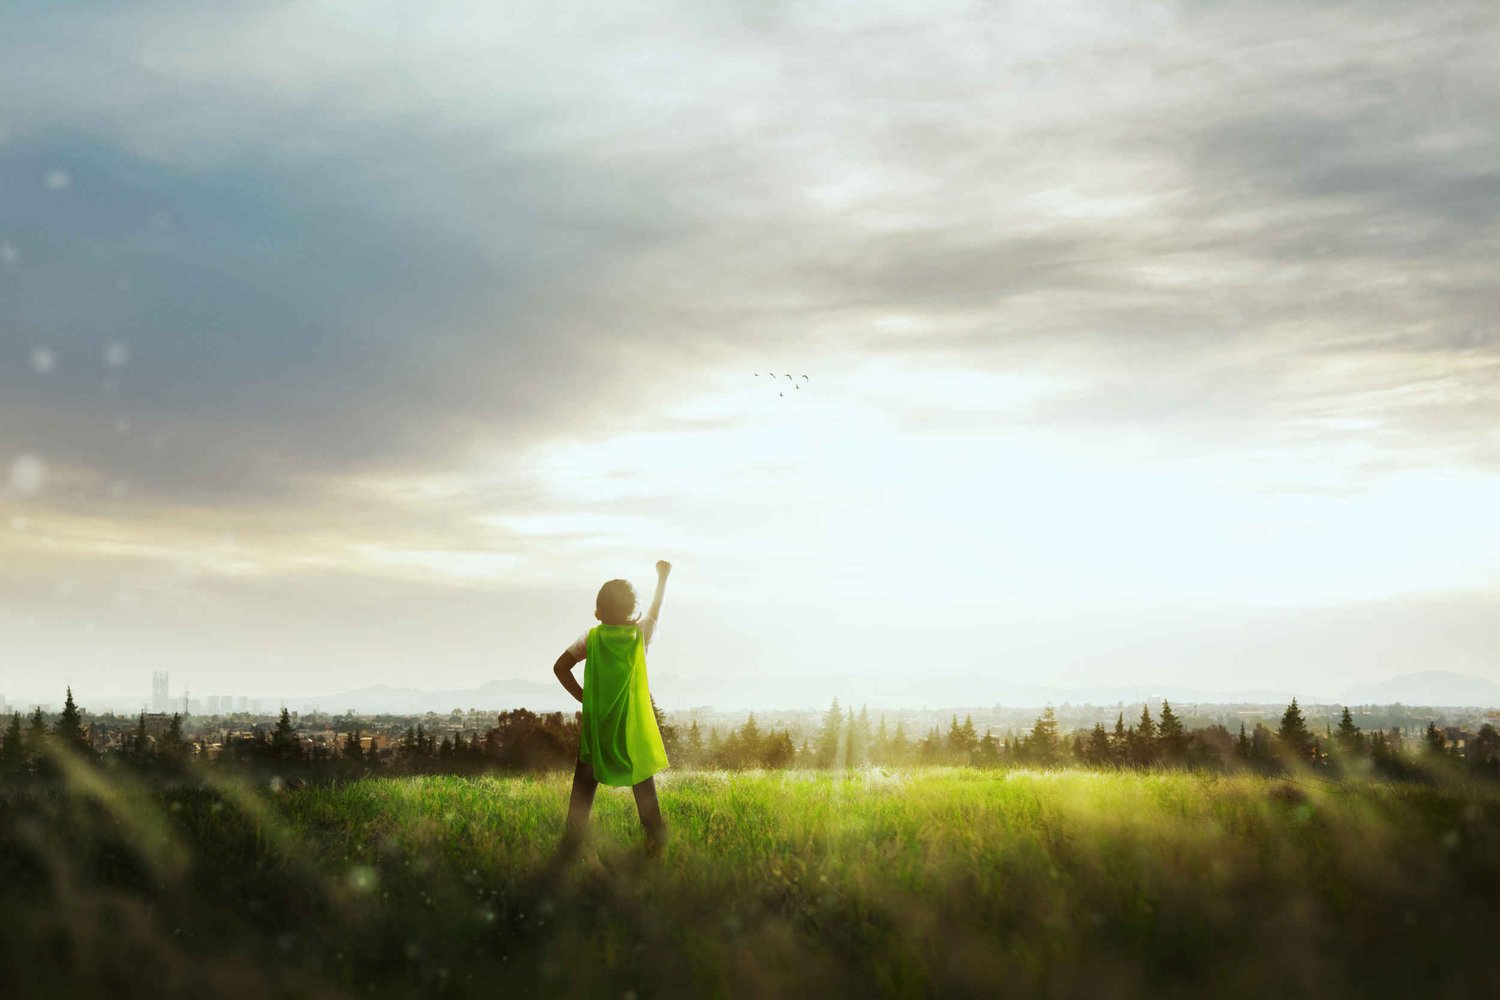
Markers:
point(615, 604)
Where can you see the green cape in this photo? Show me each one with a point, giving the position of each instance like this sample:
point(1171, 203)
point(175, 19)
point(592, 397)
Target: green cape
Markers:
point(619, 736)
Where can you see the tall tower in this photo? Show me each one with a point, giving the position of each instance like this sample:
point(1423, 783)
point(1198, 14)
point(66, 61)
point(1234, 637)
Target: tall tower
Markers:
point(160, 702)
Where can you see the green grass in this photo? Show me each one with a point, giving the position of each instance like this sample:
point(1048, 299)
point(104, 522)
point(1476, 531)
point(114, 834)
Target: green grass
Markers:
point(925, 883)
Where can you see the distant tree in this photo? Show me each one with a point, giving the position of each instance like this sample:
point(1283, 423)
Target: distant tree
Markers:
point(694, 745)
point(173, 746)
point(830, 744)
point(353, 748)
point(898, 751)
point(931, 750)
point(670, 739)
point(1262, 743)
point(1292, 736)
point(1119, 742)
point(36, 734)
point(880, 748)
point(1170, 740)
point(854, 746)
point(1097, 750)
point(1433, 740)
point(779, 752)
point(286, 748)
point(987, 753)
point(1207, 746)
point(863, 739)
point(969, 737)
point(1348, 738)
point(750, 743)
point(140, 743)
point(1141, 740)
point(1043, 745)
point(68, 729)
point(13, 750)
point(1483, 751)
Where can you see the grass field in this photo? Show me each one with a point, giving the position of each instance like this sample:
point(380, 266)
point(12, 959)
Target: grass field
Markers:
point(924, 883)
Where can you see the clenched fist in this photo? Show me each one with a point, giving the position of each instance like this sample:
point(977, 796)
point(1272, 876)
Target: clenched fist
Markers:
point(663, 567)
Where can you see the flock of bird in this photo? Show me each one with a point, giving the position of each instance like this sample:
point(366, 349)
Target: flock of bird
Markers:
point(795, 383)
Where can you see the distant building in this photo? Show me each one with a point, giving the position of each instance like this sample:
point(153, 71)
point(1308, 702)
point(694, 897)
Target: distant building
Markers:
point(160, 701)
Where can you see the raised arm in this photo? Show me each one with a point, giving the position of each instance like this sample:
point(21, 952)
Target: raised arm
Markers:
point(663, 569)
point(563, 668)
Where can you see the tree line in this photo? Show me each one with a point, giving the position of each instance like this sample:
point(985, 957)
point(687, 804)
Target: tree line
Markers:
point(523, 740)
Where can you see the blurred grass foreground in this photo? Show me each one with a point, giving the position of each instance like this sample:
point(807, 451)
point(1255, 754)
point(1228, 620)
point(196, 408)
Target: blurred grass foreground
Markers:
point(928, 882)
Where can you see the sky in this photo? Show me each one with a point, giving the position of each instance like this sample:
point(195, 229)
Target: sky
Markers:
point(358, 343)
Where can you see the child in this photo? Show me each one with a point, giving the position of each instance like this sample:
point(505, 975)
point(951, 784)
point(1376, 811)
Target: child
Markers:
point(619, 742)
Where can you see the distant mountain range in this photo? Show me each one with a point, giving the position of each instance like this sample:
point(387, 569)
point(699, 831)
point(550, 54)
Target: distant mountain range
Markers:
point(1432, 688)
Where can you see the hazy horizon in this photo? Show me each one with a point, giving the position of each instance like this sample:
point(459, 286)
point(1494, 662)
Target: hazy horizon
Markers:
point(358, 344)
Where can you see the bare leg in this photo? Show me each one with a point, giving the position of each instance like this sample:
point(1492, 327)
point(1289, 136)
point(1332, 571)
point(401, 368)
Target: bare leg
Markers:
point(650, 812)
point(580, 804)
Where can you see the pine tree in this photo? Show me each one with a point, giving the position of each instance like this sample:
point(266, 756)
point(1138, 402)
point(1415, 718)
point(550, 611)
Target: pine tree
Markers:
point(900, 747)
point(1141, 739)
point(353, 750)
point(779, 752)
point(1043, 745)
point(956, 746)
point(36, 734)
point(1119, 742)
point(13, 750)
point(987, 751)
point(694, 745)
point(751, 744)
point(285, 746)
point(1296, 742)
point(69, 728)
point(1434, 740)
point(862, 738)
point(853, 751)
point(969, 737)
point(1350, 740)
point(1242, 745)
point(1145, 729)
point(830, 746)
point(930, 751)
point(1097, 752)
point(670, 740)
point(140, 745)
point(173, 745)
point(1169, 735)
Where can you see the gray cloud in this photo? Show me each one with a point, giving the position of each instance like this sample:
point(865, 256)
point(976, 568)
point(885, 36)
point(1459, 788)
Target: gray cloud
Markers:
point(403, 240)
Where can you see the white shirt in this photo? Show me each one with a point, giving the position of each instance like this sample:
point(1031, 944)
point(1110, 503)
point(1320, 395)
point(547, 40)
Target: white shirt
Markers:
point(580, 646)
